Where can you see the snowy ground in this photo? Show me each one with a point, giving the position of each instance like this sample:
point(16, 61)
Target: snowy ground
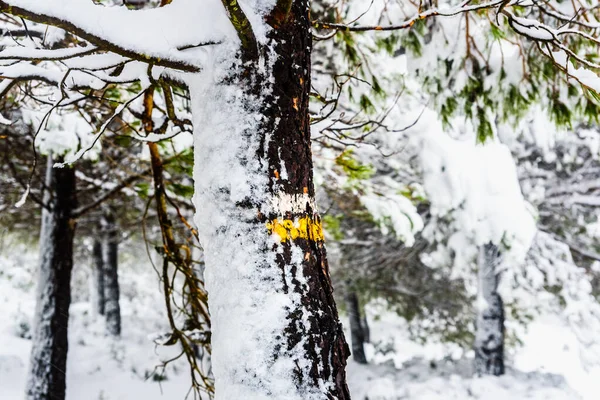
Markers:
point(547, 367)
point(103, 369)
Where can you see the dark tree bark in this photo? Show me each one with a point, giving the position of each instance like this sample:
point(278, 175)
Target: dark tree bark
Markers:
point(111, 274)
point(48, 363)
point(97, 286)
point(289, 150)
point(356, 329)
point(365, 328)
point(489, 337)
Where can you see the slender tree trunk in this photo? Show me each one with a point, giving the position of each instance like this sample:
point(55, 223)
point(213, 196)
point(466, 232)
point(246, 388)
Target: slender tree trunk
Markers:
point(356, 329)
point(275, 328)
point(97, 285)
point(489, 337)
point(48, 363)
point(111, 275)
point(198, 269)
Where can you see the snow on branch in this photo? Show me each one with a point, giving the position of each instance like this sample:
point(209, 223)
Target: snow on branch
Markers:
point(70, 79)
point(163, 37)
point(34, 54)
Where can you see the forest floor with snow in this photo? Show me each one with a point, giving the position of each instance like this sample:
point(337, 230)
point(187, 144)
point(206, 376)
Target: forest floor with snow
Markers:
point(546, 367)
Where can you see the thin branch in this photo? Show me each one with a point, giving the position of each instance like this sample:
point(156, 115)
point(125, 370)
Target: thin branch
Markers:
point(463, 8)
point(243, 28)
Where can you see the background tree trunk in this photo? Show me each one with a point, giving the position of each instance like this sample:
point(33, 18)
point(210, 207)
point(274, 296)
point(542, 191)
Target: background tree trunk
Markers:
point(48, 363)
point(365, 327)
point(97, 284)
point(356, 329)
point(489, 337)
point(111, 274)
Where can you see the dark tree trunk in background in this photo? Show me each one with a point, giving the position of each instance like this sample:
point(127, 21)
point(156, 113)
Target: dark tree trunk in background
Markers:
point(97, 286)
point(48, 363)
point(356, 329)
point(489, 336)
point(365, 328)
point(111, 274)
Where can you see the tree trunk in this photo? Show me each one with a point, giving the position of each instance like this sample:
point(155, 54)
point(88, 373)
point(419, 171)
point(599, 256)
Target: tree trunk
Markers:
point(365, 328)
point(201, 354)
point(489, 337)
point(111, 275)
point(275, 327)
point(97, 285)
point(48, 363)
point(356, 329)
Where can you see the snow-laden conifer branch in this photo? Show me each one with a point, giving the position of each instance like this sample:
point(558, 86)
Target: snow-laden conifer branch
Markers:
point(129, 33)
point(553, 31)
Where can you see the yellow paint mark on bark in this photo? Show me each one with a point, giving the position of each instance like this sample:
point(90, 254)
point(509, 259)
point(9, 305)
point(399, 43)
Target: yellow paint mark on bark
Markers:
point(276, 174)
point(295, 103)
point(300, 228)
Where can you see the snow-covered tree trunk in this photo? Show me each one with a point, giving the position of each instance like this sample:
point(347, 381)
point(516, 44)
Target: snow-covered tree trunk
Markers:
point(489, 336)
point(111, 274)
point(275, 328)
point(97, 281)
point(356, 330)
point(48, 363)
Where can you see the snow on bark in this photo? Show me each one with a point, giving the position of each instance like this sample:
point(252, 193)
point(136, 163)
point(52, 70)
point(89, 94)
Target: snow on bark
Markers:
point(489, 335)
point(97, 281)
point(275, 329)
point(48, 363)
point(111, 275)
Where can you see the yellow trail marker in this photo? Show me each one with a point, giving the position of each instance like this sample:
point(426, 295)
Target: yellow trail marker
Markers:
point(303, 228)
